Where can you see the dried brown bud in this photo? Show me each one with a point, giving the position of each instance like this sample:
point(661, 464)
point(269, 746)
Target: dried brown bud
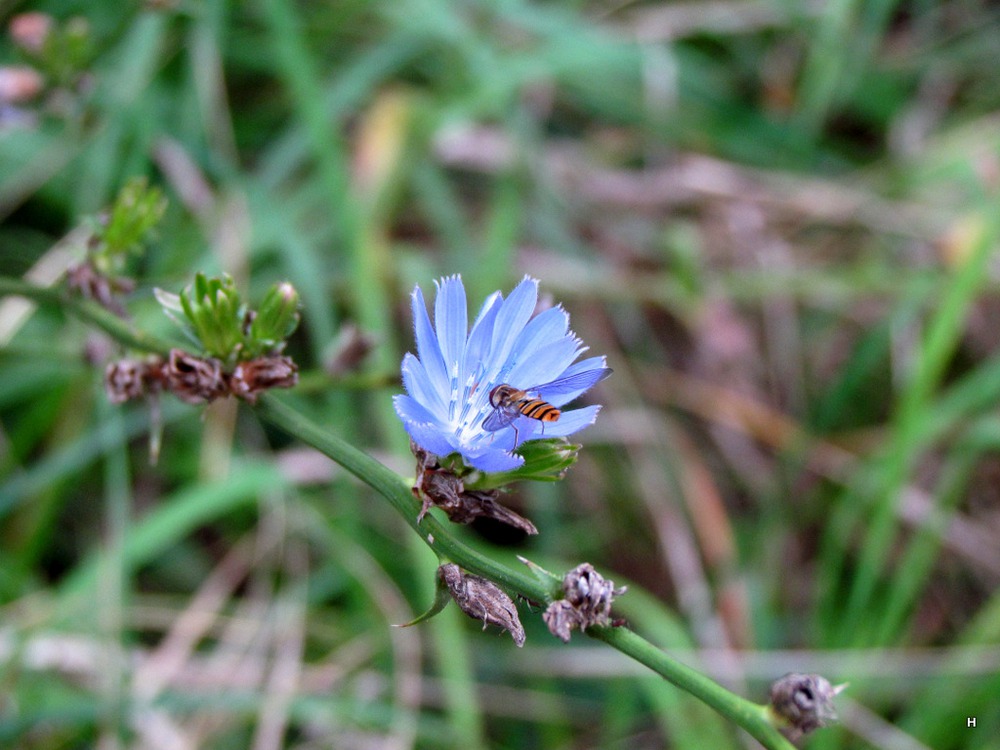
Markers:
point(587, 602)
point(102, 289)
point(439, 487)
point(128, 379)
point(19, 83)
point(803, 703)
point(250, 378)
point(482, 600)
point(561, 618)
point(194, 380)
point(30, 30)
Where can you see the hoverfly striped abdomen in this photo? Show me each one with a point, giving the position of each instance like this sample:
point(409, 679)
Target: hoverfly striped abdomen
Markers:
point(538, 409)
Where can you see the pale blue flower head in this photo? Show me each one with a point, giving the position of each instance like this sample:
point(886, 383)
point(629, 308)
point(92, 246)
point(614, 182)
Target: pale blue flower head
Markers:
point(448, 382)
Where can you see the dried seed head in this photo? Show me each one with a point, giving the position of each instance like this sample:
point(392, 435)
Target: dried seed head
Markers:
point(587, 602)
point(129, 378)
point(803, 703)
point(561, 618)
point(194, 380)
point(250, 378)
point(440, 487)
point(482, 600)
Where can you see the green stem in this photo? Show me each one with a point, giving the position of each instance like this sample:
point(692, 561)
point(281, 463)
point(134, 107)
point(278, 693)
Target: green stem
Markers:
point(89, 312)
point(752, 717)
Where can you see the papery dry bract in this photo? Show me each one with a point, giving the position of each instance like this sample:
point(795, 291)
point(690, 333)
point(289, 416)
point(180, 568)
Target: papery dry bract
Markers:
point(128, 379)
point(194, 380)
point(249, 379)
point(197, 380)
point(482, 600)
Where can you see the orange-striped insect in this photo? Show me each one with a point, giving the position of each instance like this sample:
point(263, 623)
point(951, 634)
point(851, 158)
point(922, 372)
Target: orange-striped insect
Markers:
point(509, 402)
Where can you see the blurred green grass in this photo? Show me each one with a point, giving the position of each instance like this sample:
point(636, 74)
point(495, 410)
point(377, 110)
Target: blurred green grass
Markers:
point(777, 220)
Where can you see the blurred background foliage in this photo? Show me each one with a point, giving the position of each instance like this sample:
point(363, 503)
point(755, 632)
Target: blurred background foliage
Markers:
point(776, 219)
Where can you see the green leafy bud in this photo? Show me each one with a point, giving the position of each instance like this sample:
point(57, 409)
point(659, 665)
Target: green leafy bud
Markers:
point(213, 311)
point(275, 320)
point(136, 210)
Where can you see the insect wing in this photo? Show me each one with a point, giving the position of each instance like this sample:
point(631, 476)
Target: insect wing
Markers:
point(579, 381)
point(502, 416)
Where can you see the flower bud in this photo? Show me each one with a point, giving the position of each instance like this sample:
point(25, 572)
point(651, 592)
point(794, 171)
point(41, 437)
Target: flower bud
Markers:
point(275, 320)
point(213, 310)
point(125, 226)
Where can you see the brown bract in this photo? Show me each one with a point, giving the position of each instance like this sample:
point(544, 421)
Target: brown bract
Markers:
point(251, 378)
point(482, 600)
point(127, 379)
point(194, 380)
point(197, 380)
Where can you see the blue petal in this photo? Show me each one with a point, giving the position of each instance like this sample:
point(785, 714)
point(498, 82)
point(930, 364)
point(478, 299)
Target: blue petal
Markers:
point(549, 325)
point(545, 365)
point(419, 385)
point(572, 421)
point(411, 410)
point(533, 360)
point(591, 363)
point(451, 322)
point(514, 314)
point(481, 335)
point(495, 460)
point(422, 426)
point(428, 348)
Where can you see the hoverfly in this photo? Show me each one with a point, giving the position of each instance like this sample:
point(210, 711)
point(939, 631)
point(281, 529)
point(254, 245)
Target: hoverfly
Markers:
point(509, 402)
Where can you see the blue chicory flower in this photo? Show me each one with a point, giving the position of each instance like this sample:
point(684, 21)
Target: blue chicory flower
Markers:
point(448, 383)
